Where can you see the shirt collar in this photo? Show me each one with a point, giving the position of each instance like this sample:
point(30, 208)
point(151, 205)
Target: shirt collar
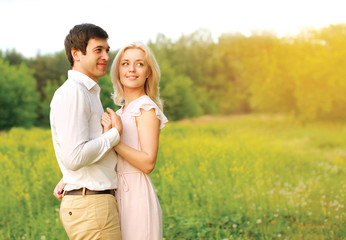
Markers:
point(83, 79)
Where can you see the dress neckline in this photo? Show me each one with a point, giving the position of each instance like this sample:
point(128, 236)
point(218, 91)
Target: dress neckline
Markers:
point(135, 100)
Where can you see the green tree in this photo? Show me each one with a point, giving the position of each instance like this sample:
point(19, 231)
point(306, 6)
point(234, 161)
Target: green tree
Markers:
point(49, 71)
point(320, 82)
point(13, 57)
point(44, 106)
point(107, 90)
point(230, 74)
point(18, 96)
point(271, 87)
point(178, 96)
point(189, 58)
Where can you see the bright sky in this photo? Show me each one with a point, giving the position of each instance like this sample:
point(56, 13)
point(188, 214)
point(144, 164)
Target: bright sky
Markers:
point(40, 26)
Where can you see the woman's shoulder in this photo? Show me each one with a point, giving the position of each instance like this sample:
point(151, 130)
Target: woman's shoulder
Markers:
point(147, 104)
point(143, 100)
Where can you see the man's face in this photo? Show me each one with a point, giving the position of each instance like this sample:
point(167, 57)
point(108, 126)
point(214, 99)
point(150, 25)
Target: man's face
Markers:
point(94, 62)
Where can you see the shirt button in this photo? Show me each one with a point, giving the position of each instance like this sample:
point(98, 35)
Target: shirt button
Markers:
point(70, 213)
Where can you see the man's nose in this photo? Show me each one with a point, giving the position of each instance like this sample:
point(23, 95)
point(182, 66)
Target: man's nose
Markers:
point(105, 56)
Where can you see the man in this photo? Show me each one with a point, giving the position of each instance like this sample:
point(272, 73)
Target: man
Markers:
point(85, 155)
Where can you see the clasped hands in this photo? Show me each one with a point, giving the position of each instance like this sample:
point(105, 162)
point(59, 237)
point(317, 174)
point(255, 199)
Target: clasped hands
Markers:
point(110, 119)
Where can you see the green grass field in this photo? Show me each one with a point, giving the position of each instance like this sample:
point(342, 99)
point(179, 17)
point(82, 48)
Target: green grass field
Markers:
point(237, 177)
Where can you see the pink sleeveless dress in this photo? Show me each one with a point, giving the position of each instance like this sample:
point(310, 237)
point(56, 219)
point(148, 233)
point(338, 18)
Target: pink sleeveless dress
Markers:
point(139, 208)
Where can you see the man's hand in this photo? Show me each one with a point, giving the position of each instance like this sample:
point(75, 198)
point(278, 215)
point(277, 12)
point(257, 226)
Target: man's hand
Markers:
point(59, 189)
point(116, 120)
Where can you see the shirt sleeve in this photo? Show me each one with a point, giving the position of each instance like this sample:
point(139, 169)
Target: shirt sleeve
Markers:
point(71, 112)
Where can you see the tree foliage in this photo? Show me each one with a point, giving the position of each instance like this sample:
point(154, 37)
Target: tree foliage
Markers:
point(178, 95)
point(18, 96)
point(302, 75)
point(107, 90)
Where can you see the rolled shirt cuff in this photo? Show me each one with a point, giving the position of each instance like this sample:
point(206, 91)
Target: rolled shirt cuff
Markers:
point(113, 137)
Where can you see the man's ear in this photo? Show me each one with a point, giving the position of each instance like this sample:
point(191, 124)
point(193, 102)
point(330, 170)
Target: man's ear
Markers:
point(75, 54)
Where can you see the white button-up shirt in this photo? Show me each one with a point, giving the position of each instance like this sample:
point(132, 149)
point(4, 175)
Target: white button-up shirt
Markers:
point(85, 155)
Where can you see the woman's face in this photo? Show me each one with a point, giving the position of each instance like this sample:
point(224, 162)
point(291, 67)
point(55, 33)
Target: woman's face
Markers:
point(133, 69)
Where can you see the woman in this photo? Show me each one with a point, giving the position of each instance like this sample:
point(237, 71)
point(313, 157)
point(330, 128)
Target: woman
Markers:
point(135, 76)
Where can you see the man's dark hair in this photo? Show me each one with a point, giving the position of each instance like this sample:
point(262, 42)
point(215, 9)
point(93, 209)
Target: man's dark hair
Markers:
point(79, 37)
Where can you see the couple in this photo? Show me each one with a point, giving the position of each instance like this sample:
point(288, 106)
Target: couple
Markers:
point(105, 159)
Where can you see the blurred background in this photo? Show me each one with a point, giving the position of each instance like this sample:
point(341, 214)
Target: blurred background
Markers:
point(255, 94)
point(217, 58)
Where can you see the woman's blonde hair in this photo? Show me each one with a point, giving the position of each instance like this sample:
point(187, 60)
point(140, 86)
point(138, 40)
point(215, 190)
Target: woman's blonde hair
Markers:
point(151, 86)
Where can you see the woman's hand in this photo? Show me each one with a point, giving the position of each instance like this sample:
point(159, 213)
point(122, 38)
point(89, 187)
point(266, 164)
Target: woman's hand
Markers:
point(58, 190)
point(106, 122)
point(115, 120)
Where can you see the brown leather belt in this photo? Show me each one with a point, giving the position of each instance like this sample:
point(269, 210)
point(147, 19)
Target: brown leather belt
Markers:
point(90, 192)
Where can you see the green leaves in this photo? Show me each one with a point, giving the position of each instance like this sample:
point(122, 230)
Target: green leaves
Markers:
point(301, 75)
point(18, 96)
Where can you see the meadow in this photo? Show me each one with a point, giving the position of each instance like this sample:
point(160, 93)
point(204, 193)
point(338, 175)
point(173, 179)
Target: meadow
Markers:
point(236, 177)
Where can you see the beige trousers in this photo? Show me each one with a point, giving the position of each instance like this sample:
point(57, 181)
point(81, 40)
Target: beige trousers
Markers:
point(90, 217)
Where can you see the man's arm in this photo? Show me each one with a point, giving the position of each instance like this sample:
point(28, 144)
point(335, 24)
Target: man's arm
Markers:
point(71, 112)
